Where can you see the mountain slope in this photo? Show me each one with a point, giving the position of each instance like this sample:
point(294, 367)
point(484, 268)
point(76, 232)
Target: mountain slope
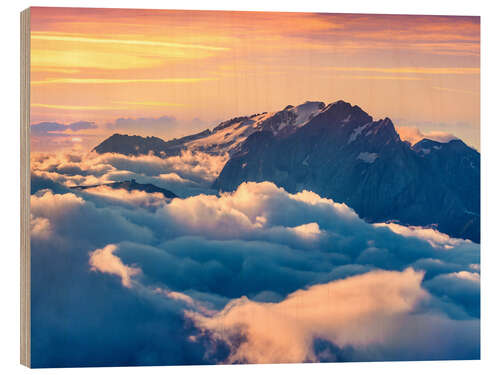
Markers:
point(224, 138)
point(340, 152)
point(343, 154)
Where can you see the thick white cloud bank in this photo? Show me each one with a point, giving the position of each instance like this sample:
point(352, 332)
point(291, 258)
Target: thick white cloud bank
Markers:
point(186, 174)
point(258, 275)
point(360, 311)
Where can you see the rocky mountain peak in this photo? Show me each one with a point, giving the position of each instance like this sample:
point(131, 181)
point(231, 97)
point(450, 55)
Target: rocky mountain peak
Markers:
point(340, 112)
point(340, 152)
point(385, 130)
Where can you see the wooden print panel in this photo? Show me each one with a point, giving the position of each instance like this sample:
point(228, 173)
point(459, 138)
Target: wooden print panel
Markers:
point(218, 187)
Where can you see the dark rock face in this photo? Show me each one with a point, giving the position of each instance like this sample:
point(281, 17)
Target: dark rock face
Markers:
point(131, 185)
point(130, 145)
point(338, 151)
point(341, 153)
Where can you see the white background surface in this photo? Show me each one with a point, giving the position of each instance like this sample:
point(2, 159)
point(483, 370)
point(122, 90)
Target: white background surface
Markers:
point(490, 145)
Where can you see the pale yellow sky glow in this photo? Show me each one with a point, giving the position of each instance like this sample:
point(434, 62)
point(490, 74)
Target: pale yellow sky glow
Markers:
point(201, 67)
point(62, 38)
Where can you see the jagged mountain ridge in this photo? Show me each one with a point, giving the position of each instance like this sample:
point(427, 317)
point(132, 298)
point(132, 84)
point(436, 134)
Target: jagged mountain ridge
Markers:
point(340, 152)
point(224, 138)
point(131, 185)
point(344, 155)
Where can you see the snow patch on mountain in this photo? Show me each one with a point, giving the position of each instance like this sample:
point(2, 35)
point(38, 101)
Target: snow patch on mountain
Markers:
point(368, 157)
point(306, 111)
point(226, 137)
point(357, 132)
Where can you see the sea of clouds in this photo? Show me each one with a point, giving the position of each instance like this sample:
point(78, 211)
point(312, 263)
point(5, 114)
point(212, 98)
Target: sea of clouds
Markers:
point(258, 275)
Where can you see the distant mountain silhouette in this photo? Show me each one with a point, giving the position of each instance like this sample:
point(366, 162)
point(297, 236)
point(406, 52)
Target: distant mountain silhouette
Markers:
point(137, 145)
point(131, 185)
point(340, 152)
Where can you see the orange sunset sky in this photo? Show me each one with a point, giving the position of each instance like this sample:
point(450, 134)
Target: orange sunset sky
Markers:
point(171, 73)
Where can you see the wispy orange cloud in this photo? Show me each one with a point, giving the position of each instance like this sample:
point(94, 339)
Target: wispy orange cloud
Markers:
point(235, 63)
point(97, 81)
point(408, 70)
point(413, 134)
point(149, 43)
point(45, 57)
point(375, 77)
point(45, 69)
point(76, 107)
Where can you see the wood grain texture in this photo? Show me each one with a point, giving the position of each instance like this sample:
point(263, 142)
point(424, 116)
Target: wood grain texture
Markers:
point(25, 349)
